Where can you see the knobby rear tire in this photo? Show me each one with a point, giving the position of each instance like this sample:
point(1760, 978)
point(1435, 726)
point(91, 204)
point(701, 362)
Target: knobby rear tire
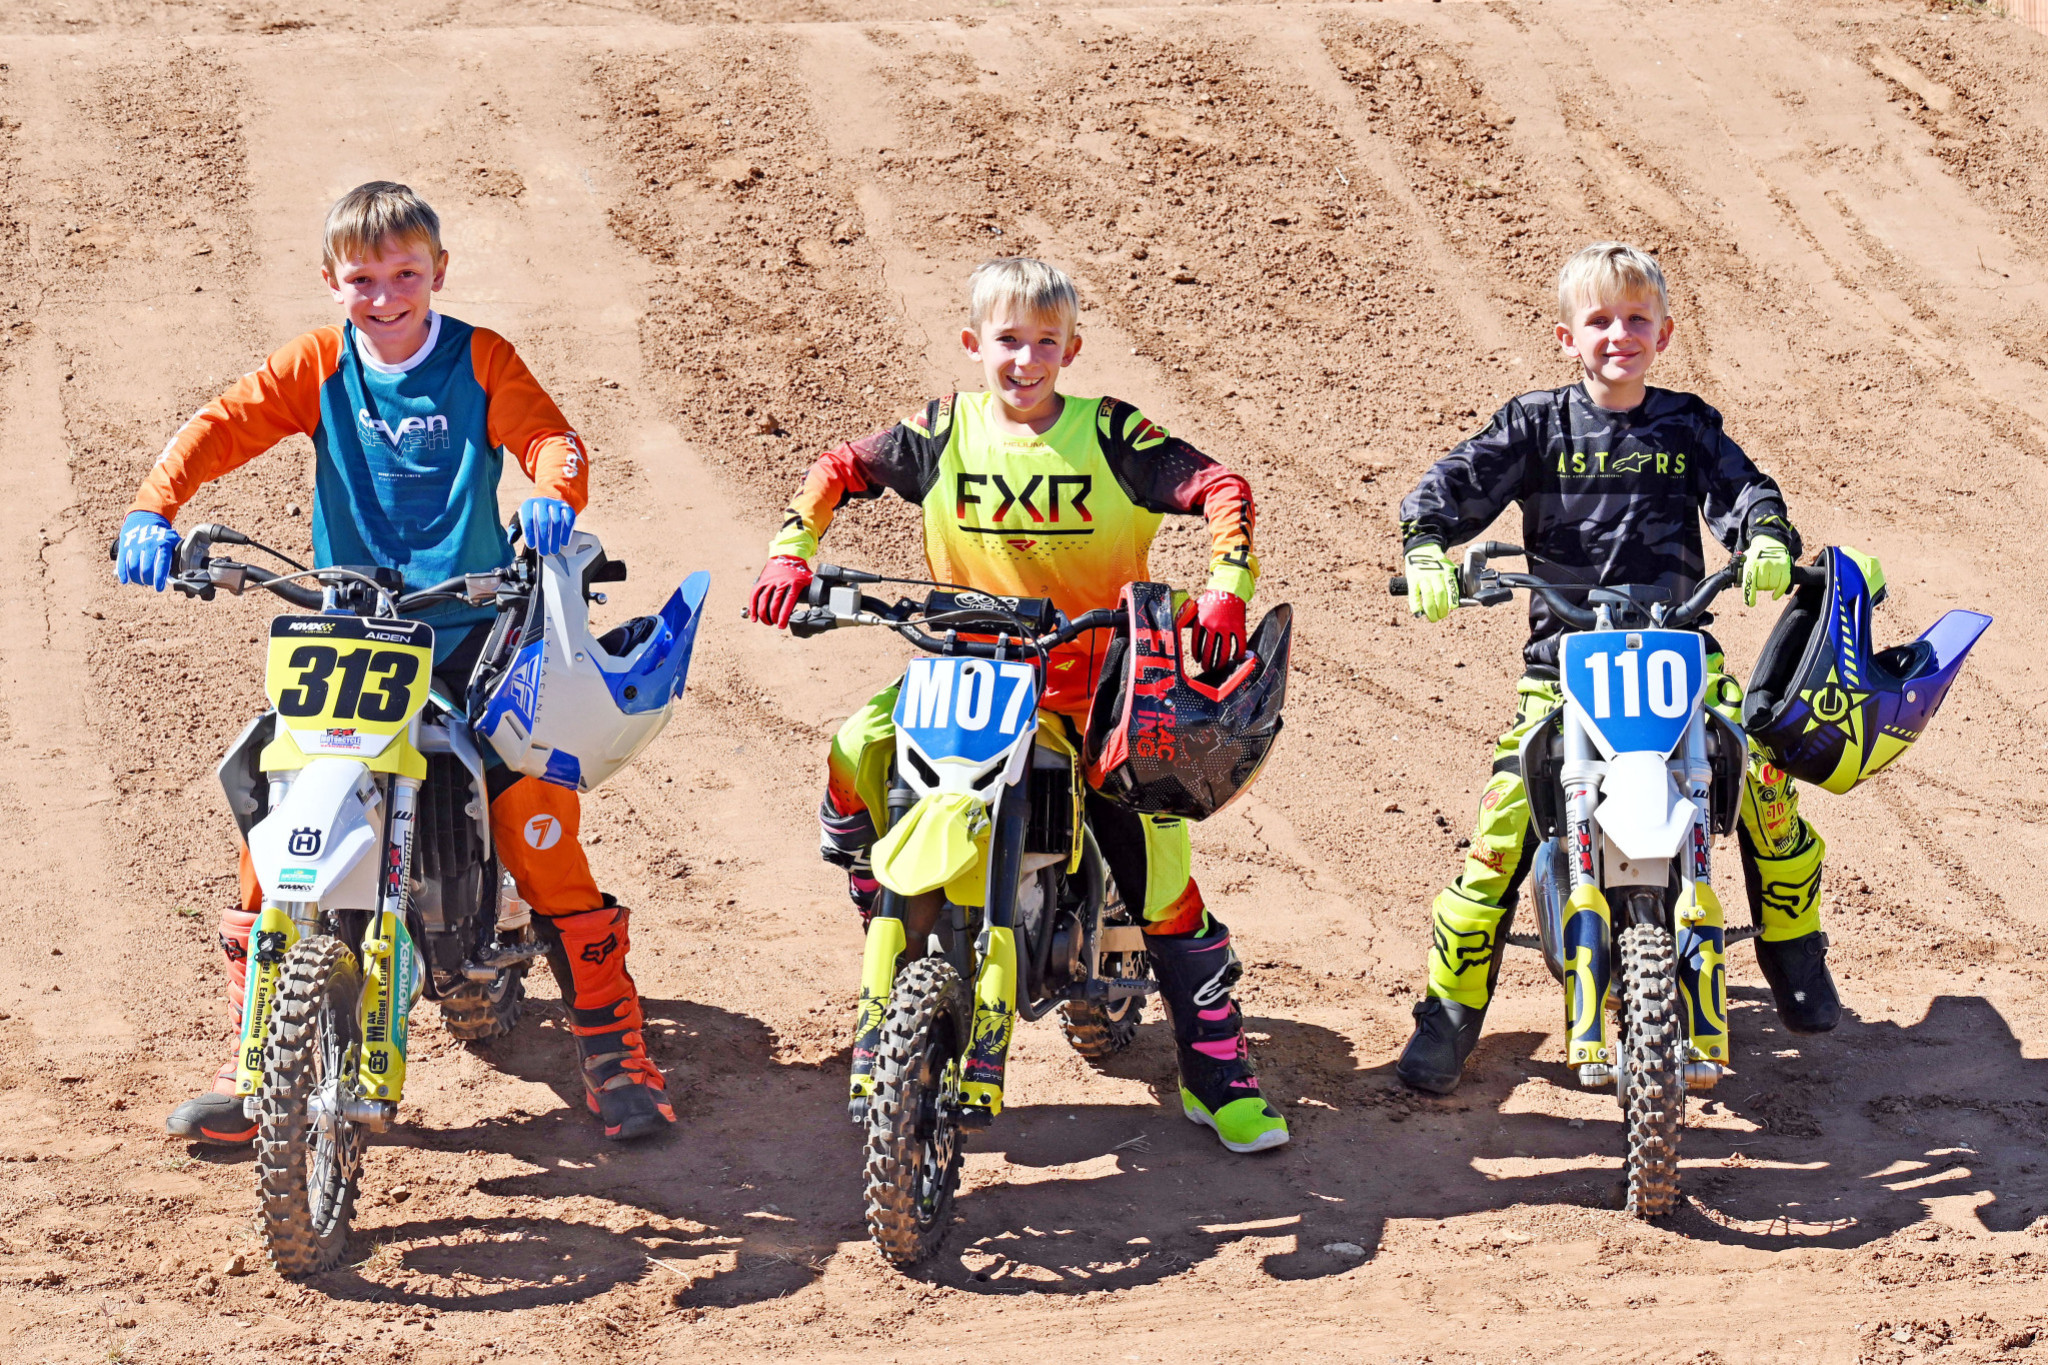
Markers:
point(308, 1187)
point(1099, 1029)
point(1653, 1069)
point(478, 1011)
point(913, 1143)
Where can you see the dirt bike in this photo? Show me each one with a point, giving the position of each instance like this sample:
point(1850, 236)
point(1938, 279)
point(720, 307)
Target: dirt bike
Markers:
point(1629, 781)
point(362, 798)
point(995, 905)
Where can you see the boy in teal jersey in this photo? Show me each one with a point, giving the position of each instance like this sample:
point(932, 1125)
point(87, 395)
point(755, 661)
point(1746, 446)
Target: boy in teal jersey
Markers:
point(411, 413)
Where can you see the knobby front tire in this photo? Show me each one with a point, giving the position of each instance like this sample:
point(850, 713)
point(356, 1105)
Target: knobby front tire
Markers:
point(306, 1177)
point(913, 1140)
point(1653, 1069)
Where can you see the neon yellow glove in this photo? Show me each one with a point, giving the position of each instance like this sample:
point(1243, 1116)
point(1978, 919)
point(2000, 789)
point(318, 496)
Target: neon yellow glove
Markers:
point(1873, 572)
point(1432, 582)
point(1766, 567)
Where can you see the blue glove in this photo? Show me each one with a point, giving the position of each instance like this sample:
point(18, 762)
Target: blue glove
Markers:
point(148, 548)
point(545, 523)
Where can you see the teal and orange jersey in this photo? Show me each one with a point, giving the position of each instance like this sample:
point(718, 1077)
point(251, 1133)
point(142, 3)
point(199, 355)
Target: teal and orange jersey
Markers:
point(407, 457)
point(1068, 515)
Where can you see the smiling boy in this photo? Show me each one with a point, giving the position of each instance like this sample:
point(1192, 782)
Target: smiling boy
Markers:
point(411, 414)
point(1029, 493)
point(1613, 477)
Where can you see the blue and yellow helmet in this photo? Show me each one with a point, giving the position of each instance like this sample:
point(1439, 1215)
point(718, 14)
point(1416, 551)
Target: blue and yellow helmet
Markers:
point(1827, 707)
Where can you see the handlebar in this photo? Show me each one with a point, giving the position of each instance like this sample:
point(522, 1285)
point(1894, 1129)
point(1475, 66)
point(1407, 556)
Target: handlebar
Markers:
point(1481, 586)
point(197, 572)
point(834, 600)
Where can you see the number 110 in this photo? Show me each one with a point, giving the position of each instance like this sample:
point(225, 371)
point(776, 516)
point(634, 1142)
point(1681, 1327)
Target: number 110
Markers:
point(1669, 692)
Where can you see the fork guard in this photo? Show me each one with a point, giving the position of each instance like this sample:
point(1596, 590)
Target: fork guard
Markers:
point(942, 842)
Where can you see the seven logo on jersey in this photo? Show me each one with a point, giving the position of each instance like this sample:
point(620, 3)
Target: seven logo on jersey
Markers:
point(420, 433)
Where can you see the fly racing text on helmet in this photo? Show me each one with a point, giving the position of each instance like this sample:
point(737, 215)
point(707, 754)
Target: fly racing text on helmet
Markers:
point(1167, 743)
point(1827, 707)
point(572, 709)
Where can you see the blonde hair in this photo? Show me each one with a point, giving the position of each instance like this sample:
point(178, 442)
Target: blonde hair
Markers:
point(362, 220)
point(1608, 270)
point(1039, 289)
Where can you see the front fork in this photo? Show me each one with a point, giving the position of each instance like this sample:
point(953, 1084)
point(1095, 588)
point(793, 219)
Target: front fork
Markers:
point(1702, 946)
point(1588, 935)
point(881, 955)
point(996, 978)
point(392, 972)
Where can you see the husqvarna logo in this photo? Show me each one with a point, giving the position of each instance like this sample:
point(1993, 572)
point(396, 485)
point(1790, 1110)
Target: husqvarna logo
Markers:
point(543, 832)
point(430, 431)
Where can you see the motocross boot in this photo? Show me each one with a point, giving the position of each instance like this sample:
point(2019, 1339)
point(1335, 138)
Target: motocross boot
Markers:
point(1217, 1086)
point(1783, 881)
point(844, 840)
point(1797, 970)
point(1466, 937)
point(215, 1116)
point(621, 1084)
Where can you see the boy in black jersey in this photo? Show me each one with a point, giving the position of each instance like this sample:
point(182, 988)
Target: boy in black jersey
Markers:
point(1613, 477)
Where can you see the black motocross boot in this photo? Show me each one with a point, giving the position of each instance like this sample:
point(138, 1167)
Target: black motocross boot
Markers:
point(1445, 1034)
point(1797, 969)
point(1462, 947)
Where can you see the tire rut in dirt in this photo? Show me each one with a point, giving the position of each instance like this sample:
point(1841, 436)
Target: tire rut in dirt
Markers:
point(308, 1188)
point(913, 1148)
point(1653, 1073)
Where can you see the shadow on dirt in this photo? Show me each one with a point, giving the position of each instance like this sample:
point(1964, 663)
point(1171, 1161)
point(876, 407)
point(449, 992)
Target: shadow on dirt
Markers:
point(1839, 1140)
point(706, 1198)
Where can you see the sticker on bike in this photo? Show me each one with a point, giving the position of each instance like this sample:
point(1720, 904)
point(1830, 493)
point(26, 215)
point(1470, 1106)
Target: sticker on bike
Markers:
point(351, 690)
point(972, 709)
point(1637, 689)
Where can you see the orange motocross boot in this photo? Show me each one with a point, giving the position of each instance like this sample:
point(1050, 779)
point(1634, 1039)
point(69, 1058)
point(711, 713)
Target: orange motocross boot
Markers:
point(621, 1084)
point(215, 1116)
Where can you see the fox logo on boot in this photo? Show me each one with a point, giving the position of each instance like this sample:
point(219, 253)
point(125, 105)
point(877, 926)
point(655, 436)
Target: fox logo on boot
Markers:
point(596, 953)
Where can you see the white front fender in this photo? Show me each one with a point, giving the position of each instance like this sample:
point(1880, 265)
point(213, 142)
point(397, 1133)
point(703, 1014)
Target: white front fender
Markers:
point(315, 846)
point(1641, 809)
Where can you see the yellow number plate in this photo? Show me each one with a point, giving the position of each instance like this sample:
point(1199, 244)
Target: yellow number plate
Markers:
point(347, 686)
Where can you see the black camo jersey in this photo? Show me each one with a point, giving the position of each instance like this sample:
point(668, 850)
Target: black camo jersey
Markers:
point(1607, 497)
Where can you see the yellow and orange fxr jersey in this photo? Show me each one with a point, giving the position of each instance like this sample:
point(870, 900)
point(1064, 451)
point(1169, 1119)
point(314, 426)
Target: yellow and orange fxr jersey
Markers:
point(1068, 515)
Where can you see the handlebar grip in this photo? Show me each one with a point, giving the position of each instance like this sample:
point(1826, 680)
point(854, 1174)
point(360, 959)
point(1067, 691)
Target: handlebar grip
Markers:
point(1397, 586)
point(1809, 576)
point(805, 622)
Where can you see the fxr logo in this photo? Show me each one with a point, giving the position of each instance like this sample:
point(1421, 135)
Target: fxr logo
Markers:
point(967, 490)
point(431, 429)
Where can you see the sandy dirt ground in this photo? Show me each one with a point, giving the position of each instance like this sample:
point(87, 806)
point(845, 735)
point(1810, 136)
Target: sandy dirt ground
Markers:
point(1315, 239)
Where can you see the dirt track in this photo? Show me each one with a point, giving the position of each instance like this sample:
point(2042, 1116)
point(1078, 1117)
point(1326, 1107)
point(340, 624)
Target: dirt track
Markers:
point(722, 243)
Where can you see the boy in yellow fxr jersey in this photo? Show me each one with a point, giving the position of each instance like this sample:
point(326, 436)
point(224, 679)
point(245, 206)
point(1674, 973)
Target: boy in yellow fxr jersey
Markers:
point(1030, 493)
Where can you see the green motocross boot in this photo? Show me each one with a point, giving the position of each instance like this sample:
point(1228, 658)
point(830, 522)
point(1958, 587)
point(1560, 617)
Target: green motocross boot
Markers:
point(1218, 1089)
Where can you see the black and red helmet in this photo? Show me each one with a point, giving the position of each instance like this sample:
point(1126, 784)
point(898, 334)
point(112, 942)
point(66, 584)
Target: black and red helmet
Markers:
point(1164, 742)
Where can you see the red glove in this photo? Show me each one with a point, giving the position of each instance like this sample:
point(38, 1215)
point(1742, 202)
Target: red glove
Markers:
point(779, 589)
point(1219, 628)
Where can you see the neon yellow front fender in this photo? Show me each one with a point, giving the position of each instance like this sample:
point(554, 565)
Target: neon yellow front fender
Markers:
point(942, 842)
